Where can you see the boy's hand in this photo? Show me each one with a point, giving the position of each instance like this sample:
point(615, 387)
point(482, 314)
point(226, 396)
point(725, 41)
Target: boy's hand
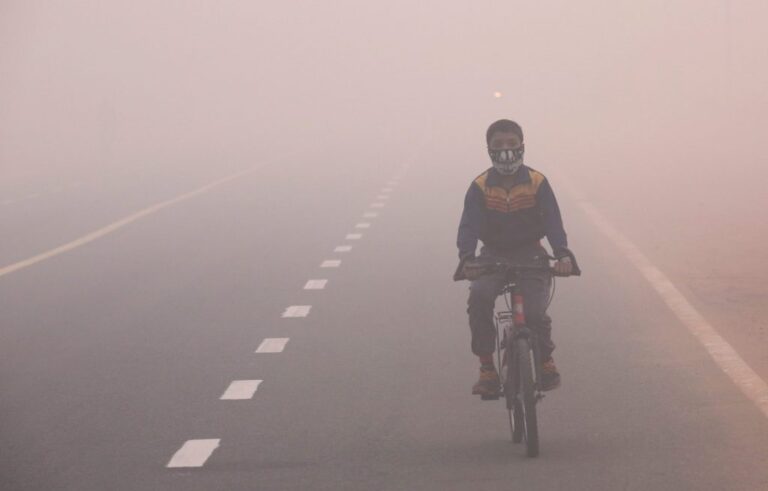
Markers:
point(563, 266)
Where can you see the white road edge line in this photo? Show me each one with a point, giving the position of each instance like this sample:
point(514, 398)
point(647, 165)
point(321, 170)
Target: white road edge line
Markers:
point(97, 234)
point(724, 355)
point(239, 390)
point(194, 453)
point(272, 345)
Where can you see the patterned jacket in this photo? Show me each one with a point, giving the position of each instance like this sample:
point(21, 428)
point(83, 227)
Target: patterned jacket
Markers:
point(505, 220)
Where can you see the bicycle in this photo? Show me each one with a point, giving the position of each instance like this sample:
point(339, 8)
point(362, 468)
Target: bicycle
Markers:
point(518, 352)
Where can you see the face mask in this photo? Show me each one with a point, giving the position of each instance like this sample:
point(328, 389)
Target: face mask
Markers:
point(507, 162)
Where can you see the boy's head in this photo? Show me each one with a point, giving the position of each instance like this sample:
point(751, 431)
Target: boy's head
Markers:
point(503, 126)
point(505, 146)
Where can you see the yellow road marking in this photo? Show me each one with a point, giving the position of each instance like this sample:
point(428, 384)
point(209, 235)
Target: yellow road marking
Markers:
point(112, 227)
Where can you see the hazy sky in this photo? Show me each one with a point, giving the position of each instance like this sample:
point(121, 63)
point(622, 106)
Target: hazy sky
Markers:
point(130, 83)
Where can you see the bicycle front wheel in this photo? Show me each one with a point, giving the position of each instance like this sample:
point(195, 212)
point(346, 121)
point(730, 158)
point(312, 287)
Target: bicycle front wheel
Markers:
point(527, 395)
point(511, 388)
point(517, 422)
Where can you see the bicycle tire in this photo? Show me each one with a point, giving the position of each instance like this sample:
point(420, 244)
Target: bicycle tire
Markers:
point(527, 390)
point(514, 405)
point(517, 423)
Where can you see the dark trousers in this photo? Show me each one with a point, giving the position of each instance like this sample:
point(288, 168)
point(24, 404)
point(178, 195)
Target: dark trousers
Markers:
point(534, 287)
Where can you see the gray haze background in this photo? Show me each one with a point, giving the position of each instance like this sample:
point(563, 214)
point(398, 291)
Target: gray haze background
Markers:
point(114, 354)
point(655, 109)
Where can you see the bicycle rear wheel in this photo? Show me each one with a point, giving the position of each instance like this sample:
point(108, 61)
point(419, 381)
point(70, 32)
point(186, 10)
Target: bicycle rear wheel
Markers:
point(527, 397)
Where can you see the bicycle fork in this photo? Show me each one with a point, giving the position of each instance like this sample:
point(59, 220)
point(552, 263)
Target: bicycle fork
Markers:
point(510, 324)
point(522, 330)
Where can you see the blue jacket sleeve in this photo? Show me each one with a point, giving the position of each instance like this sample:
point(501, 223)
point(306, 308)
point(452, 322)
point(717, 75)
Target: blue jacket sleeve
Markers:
point(472, 219)
point(553, 222)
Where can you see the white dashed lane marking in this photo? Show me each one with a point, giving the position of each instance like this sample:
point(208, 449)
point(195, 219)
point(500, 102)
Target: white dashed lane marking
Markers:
point(315, 284)
point(272, 345)
point(194, 453)
point(297, 311)
point(240, 390)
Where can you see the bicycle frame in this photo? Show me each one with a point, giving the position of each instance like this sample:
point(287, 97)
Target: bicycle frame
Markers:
point(511, 325)
point(521, 384)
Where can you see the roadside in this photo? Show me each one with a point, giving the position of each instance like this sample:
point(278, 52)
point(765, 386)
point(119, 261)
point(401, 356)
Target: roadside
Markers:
point(704, 226)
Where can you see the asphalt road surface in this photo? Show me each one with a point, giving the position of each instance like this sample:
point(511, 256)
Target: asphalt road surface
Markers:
point(116, 353)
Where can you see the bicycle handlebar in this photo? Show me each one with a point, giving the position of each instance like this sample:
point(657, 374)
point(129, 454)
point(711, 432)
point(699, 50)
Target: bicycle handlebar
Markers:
point(490, 265)
point(505, 266)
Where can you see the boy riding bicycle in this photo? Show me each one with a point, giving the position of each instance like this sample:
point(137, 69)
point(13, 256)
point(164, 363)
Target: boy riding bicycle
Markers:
point(510, 208)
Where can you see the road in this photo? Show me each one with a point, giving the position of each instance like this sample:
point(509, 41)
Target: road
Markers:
point(116, 353)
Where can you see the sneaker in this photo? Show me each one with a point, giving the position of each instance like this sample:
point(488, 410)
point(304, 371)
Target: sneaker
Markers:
point(550, 378)
point(488, 385)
